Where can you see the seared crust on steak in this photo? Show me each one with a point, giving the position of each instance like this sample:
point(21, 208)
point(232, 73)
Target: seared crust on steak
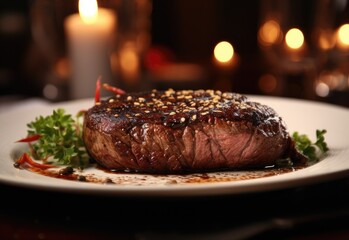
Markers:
point(185, 131)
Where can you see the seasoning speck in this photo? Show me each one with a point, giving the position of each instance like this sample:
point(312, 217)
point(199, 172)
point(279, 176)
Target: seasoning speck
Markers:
point(66, 171)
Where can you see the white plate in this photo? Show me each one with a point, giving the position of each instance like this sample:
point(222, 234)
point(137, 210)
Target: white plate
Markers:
point(302, 116)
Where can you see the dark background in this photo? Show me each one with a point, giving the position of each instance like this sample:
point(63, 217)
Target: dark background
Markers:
point(189, 30)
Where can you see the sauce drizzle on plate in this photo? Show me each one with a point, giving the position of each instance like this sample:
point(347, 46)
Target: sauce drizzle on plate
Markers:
point(98, 175)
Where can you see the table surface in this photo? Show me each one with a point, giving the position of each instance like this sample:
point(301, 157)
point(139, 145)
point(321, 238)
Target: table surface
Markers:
point(319, 211)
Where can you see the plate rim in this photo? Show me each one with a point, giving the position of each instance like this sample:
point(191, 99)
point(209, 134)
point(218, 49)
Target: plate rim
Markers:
point(198, 190)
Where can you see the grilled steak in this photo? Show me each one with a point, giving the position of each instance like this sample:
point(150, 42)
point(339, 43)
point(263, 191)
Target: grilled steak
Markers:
point(185, 131)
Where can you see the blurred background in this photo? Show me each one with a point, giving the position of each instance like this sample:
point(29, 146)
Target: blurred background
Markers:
point(290, 48)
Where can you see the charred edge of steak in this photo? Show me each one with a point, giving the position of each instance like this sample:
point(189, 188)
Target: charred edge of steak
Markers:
point(177, 109)
point(295, 155)
point(144, 132)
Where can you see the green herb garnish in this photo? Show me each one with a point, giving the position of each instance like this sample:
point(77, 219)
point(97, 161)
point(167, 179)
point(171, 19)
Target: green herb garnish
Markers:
point(60, 139)
point(313, 150)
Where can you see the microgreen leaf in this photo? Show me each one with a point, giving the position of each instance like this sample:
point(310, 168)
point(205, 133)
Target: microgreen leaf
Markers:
point(313, 150)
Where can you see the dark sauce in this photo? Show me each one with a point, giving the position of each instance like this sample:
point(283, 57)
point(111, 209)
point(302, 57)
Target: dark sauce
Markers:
point(54, 174)
point(222, 176)
point(117, 177)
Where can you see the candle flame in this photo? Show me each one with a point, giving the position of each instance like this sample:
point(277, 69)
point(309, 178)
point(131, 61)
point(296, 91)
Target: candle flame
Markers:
point(269, 33)
point(88, 10)
point(325, 39)
point(294, 38)
point(223, 52)
point(129, 58)
point(343, 35)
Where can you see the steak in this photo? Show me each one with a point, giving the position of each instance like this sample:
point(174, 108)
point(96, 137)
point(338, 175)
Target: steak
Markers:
point(185, 131)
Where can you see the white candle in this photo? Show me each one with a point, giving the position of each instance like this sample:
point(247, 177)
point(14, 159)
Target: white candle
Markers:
point(90, 35)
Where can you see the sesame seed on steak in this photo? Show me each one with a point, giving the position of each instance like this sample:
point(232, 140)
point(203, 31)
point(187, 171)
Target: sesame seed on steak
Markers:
point(185, 131)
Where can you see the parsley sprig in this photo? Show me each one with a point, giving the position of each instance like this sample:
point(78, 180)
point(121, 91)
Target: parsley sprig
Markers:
point(313, 150)
point(60, 139)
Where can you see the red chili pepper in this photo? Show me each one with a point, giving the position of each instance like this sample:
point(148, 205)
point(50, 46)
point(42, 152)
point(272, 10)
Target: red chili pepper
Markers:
point(25, 158)
point(30, 138)
point(98, 90)
point(113, 89)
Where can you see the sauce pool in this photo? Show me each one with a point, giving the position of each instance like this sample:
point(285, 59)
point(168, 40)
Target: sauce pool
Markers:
point(98, 175)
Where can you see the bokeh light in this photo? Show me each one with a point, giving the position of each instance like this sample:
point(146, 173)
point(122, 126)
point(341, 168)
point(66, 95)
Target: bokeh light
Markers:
point(294, 38)
point(223, 52)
